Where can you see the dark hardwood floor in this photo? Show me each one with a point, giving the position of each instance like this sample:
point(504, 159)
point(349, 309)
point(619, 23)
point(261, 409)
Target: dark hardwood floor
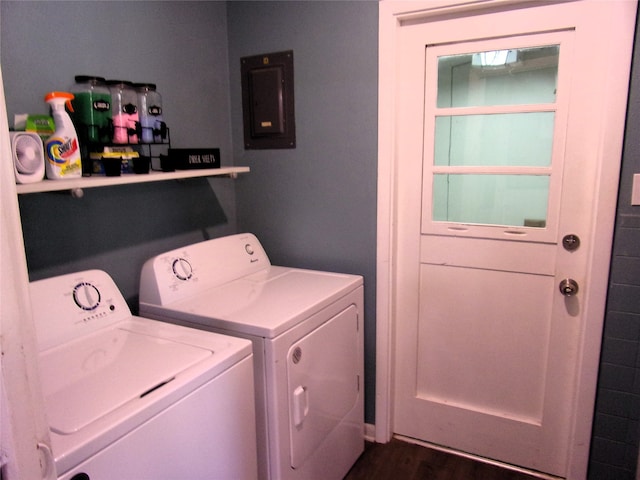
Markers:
point(398, 460)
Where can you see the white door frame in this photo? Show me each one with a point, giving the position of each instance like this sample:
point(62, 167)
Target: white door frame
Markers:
point(25, 445)
point(391, 16)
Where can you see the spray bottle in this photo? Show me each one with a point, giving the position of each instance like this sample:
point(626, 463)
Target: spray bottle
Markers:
point(63, 151)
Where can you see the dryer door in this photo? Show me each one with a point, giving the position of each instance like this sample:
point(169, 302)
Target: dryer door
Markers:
point(322, 373)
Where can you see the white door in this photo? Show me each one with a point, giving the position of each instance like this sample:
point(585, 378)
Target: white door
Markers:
point(499, 165)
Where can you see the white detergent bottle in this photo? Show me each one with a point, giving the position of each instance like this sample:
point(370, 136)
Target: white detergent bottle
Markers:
point(63, 151)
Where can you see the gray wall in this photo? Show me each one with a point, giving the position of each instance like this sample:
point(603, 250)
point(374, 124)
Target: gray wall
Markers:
point(315, 206)
point(616, 430)
point(180, 46)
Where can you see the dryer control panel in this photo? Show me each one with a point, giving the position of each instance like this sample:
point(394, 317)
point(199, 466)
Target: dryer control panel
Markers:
point(195, 268)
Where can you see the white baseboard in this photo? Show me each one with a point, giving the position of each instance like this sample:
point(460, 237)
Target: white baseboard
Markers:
point(369, 432)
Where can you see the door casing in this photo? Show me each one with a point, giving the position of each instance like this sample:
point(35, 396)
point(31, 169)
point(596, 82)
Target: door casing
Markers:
point(392, 16)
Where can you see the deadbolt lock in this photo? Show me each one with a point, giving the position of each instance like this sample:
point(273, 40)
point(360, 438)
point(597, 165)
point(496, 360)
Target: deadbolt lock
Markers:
point(568, 287)
point(571, 242)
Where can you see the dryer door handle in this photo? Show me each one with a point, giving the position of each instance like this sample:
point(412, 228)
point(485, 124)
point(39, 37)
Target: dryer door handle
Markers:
point(48, 465)
point(300, 405)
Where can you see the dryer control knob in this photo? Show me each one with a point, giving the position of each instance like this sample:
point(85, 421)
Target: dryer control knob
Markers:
point(182, 269)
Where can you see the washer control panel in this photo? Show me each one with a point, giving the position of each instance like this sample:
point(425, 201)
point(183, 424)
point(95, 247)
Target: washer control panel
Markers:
point(73, 305)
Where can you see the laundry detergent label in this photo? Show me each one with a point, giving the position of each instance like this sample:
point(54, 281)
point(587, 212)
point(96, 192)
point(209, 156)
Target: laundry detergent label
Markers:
point(63, 153)
point(101, 105)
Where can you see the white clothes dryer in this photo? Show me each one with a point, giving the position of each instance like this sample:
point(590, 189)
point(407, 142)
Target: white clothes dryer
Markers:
point(307, 332)
point(132, 398)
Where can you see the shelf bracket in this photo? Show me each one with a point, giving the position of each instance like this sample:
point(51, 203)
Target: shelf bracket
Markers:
point(77, 192)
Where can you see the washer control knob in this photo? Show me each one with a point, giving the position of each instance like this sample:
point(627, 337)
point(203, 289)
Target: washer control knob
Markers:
point(86, 295)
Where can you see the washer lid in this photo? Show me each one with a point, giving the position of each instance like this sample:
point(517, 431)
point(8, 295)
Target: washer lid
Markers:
point(89, 378)
point(266, 303)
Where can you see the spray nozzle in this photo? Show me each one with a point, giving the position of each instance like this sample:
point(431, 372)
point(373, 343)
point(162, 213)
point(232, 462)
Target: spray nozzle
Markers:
point(60, 98)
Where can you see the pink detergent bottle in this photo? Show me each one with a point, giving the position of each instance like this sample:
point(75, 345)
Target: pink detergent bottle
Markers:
point(124, 111)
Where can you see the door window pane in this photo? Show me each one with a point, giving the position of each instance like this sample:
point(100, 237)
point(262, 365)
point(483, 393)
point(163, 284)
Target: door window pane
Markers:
point(508, 200)
point(498, 77)
point(511, 139)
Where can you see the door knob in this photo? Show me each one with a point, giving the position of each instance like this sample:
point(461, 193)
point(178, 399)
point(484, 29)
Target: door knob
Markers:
point(568, 287)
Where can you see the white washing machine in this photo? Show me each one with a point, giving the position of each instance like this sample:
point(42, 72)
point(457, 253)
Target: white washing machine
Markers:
point(307, 332)
point(135, 399)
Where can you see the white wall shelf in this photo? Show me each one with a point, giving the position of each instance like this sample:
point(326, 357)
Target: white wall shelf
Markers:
point(78, 184)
